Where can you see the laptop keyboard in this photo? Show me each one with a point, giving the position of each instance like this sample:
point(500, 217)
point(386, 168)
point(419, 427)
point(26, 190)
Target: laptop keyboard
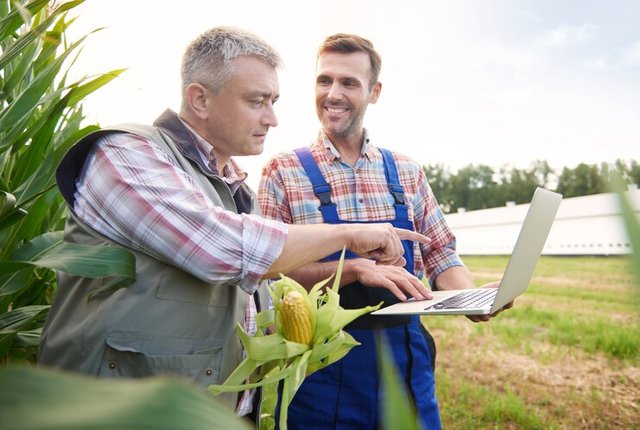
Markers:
point(470, 299)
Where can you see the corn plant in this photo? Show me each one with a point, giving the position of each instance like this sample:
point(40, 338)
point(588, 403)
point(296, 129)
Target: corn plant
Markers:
point(307, 335)
point(34, 398)
point(40, 118)
point(632, 225)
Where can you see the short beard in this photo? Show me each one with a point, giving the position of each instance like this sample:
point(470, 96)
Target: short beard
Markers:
point(344, 132)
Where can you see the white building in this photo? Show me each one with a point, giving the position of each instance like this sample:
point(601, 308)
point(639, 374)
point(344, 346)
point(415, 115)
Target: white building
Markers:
point(588, 225)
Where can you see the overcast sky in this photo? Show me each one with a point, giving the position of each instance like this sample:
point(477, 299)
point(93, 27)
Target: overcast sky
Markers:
point(464, 82)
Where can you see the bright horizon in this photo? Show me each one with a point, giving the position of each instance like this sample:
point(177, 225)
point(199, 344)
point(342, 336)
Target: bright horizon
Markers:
point(492, 82)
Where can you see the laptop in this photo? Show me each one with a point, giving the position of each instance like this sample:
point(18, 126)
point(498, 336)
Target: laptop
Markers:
point(515, 280)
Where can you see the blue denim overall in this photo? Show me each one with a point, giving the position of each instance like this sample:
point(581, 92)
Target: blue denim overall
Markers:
point(347, 394)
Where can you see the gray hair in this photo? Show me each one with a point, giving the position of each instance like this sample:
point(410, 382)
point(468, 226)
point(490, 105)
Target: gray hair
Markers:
point(207, 60)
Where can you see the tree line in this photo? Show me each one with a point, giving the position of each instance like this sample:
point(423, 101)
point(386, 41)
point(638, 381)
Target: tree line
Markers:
point(481, 186)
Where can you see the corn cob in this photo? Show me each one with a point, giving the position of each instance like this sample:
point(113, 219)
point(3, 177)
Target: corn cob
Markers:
point(296, 318)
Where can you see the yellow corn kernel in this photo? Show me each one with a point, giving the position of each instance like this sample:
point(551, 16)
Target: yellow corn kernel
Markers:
point(296, 318)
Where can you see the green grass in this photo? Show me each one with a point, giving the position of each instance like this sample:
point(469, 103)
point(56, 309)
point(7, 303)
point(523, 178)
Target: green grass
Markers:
point(485, 404)
point(565, 356)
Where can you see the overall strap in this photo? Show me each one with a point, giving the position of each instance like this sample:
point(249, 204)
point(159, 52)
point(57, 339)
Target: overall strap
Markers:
point(391, 174)
point(321, 188)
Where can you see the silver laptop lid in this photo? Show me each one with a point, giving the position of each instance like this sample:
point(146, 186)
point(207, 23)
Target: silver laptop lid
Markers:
point(526, 252)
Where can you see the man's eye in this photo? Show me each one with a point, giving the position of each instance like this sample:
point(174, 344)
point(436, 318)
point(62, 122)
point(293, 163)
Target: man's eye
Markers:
point(257, 103)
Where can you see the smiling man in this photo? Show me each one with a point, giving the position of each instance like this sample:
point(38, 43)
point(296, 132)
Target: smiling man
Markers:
point(343, 178)
point(173, 195)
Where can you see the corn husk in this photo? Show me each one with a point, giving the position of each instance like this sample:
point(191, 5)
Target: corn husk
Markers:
point(271, 358)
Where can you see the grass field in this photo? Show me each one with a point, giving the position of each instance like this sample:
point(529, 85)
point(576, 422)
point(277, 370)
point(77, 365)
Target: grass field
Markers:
point(567, 356)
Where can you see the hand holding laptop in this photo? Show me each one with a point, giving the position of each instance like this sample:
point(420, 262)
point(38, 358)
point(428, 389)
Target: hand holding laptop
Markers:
point(482, 303)
point(487, 317)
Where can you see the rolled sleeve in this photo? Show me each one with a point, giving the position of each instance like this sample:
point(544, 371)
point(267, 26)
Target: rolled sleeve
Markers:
point(440, 259)
point(262, 243)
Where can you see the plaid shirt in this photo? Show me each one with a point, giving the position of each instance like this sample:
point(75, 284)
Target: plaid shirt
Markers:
point(360, 193)
point(133, 193)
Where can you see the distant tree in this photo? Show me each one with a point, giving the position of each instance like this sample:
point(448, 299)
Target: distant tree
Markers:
point(479, 186)
point(584, 180)
point(634, 172)
point(439, 179)
point(629, 172)
point(472, 187)
point(543, 172)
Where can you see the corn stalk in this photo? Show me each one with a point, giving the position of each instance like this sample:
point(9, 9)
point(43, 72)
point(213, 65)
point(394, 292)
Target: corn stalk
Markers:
point(40, 118)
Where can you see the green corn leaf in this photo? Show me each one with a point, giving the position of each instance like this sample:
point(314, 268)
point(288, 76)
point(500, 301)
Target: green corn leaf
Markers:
point(30, 37)
point(28, 338)
point(10, 214)
point(265, 319)
point(340, 342)
point(47, 399)
point(233, 385)
point(238, 377)
point(397, 410)
point(11, 323)
point(14, 277)
point(271, 347)
point(80, 92)
point(7, 203)
point(18, 73)
point(32, 96)
point(49, 250)
point(18, 16)
point(37, 158)
point(12, 218)
point(50, 42)
point(290, 385)
point(21, 318)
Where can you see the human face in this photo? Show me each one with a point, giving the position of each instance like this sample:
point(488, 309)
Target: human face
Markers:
point(342, 93)
point(240, 114)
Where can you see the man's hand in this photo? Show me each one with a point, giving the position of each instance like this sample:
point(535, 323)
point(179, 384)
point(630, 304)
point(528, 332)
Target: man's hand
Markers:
point(312, 242)
point(395, 279)
point(382, 242)
point(484, 318)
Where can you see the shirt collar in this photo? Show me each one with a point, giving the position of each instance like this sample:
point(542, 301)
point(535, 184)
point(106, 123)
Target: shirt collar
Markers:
point(231, 173)
point(367, 148)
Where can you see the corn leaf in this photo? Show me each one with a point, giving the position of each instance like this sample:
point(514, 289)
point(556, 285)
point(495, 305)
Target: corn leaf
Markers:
point(42, 399)
point(80, 92)
point(11, 323)
point(50, 251)
point(397, 410)
point(25, 40)
point(16, 18)
point(291, 384)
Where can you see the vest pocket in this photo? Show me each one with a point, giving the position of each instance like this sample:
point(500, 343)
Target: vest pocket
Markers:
point(133, 355)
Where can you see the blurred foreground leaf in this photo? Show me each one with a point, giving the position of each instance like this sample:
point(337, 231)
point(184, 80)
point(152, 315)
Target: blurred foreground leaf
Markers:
point(632, 225)
point(398, 412)
point(39, 398)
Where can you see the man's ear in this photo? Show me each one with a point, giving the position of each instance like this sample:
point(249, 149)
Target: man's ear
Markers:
point(375, 93)
point(196, 97)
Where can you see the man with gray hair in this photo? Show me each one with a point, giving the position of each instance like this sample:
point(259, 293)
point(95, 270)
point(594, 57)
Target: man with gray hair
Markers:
point(173, 195)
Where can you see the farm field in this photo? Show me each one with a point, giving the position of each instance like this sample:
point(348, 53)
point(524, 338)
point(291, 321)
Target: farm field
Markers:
point(567, 356)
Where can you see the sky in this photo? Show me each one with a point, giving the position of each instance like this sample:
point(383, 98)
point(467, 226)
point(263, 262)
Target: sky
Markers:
point(495, 82)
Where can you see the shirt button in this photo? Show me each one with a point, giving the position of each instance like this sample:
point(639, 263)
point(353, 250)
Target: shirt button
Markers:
point(361, 200)
point(208, 372)
point(112, 365)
